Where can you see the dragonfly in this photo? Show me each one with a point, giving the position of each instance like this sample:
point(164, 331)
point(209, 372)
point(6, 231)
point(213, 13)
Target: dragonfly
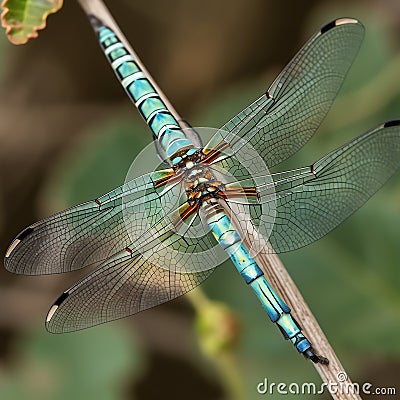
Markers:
point(155, 237)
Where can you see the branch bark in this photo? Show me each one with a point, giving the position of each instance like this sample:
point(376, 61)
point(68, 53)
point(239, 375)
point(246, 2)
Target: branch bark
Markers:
point(273, 268)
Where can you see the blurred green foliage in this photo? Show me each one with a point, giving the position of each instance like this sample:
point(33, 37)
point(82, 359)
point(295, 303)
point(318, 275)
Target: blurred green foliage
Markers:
point(98, 164)
point(93, 364)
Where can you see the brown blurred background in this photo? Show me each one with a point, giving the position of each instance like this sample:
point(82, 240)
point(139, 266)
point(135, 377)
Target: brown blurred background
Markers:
point(68, 133)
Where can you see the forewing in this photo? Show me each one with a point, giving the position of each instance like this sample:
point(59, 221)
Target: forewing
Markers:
point(280, 122)
point(86, 233)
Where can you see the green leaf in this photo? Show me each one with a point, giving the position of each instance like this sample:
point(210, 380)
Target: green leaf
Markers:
point(23, 18)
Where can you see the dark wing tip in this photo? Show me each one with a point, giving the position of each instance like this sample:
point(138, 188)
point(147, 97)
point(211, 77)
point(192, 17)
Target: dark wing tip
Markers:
point(388, 124)
point(21, 236)
point(25, 233)
point(53, 310)
point(337, 22)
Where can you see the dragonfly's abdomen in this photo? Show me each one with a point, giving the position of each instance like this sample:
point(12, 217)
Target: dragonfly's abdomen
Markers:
point(229, 239)
point(279, 313)
point(164, 126)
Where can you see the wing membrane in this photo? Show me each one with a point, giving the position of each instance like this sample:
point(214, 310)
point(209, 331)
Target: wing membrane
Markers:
point(312, 201)
point(280, 122)
point(141, 276)
point(123, 285)
point(86, 233)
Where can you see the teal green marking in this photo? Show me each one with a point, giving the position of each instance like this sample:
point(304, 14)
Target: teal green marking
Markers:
point(161, 119)
point(178, 145)
point(275, 305)
point(140, 88)
point(278, 311)
point(126, 69)
point(177, 160)
point(164, 126)
point(167, 132)
point(151, 105)
point(107, 37)
point(117, 53)
point(109, 41)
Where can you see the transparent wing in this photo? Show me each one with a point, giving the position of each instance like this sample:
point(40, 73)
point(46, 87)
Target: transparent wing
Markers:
point(181, 239)
point(87, 233)
point(121, 286)
point(139, 277)
point(279, 123)
point(312, 201)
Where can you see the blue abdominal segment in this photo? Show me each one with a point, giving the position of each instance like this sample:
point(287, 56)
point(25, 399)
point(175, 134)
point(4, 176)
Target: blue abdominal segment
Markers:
point(278, 312)
point(164, 126)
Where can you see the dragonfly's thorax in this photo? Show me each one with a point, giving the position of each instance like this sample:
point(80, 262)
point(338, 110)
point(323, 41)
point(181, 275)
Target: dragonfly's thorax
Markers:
point(201, 185)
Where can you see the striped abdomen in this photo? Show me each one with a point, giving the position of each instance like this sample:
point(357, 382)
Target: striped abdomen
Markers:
point(164, 126)
point(279, 313)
